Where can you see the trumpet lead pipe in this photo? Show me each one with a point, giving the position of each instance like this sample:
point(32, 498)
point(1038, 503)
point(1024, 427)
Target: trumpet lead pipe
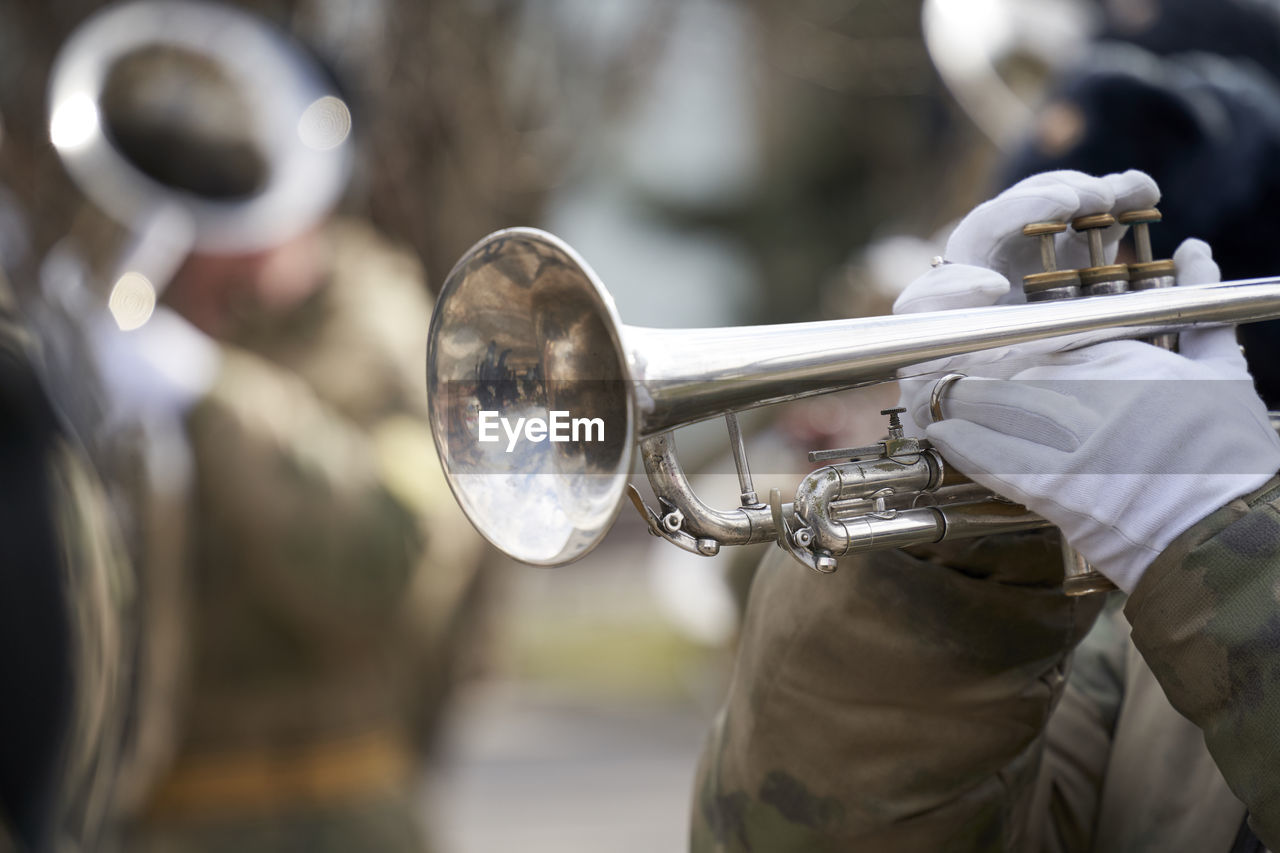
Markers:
point(689, 375)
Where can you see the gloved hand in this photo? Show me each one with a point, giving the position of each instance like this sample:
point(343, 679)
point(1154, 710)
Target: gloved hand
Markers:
point(1121, 445)
point(988, 255)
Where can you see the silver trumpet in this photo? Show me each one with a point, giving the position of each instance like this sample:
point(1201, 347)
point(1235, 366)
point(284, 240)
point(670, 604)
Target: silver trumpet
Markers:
point(539, 394)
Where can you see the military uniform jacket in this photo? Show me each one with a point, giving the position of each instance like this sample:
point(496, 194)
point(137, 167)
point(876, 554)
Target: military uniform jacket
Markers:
point(327, 558)
point(926, 701)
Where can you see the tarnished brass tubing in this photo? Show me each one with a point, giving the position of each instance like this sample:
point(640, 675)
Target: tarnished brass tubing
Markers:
point(864, 478)
point(842, 534)
point(967, 492)
point(935, 524)
point(738, 526)
point(908, 527)
point(818, 492)
point(986, 518)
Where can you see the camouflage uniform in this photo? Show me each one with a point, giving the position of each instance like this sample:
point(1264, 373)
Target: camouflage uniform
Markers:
point(320, 645)
point(923, 701)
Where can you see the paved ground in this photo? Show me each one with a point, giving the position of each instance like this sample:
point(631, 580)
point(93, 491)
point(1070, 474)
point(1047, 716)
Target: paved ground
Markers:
point(550, 772)
point(585, 733)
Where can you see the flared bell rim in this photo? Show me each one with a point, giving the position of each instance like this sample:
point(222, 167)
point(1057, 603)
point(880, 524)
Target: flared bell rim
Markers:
point(474, 310)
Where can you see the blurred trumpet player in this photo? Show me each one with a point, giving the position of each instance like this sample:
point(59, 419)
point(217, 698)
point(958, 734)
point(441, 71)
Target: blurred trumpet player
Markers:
point(299, 647)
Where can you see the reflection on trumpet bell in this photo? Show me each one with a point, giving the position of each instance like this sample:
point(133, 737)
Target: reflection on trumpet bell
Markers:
point(523, 328)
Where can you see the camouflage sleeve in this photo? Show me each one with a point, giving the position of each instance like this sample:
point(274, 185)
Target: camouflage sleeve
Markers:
point(900, 704)
point(1206, 617)
point(293, 496)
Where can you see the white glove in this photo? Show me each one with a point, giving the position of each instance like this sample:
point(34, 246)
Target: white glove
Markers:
point(160, 369)
point(1121, 445)
point(988, 256)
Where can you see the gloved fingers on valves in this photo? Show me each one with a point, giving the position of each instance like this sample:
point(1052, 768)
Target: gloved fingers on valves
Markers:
point(991, 235)
point(1131, 190)
point(950, 287)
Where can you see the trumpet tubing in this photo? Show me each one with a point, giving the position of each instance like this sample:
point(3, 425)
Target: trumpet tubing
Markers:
point(524, 331)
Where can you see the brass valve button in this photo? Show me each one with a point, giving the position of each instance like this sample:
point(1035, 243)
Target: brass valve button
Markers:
point(1104, 279)
point(1056, 284)
point(1092, 226)
point(1045, 231)
point(1151, 275)
point(1139, 217)
point(1097, 220)
point(1039, 229)
point(1140, 220)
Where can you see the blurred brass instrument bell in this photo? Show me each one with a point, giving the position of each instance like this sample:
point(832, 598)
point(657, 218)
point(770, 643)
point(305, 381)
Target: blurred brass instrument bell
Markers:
point(221, 84)
point(523, 329)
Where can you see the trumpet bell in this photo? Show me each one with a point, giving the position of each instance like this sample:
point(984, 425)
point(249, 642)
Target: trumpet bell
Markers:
point(524, 333)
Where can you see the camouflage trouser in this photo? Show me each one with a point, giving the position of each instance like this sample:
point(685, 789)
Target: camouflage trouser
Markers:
point(889, 706)
point(920, 702)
